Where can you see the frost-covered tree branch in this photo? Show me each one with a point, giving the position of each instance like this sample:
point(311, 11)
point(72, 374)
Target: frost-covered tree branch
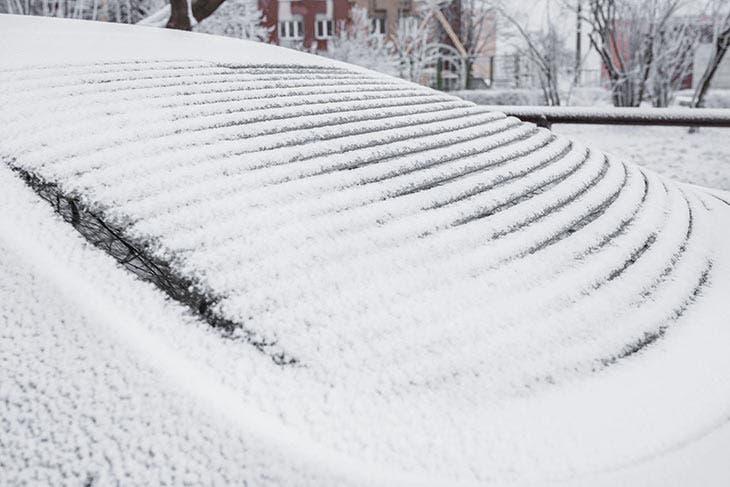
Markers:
point(356, 43)
point(673, 58)
point(545, 47)
point(413, 43)
point(241, 19)
point(121, 11)
point(625, 34)
point(720, 46)
point(478, 29)
point(233, 18)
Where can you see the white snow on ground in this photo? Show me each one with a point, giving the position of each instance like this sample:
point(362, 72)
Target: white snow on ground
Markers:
point(459, 289)
point(701, 158)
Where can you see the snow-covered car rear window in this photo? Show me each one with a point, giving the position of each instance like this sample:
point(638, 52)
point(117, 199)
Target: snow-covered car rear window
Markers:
point(272, 267)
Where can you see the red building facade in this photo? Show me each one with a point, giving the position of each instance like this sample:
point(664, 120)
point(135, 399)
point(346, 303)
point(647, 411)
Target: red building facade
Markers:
point(304, 23)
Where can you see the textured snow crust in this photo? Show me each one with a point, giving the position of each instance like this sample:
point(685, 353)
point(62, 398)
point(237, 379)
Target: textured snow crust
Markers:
point(470, 299)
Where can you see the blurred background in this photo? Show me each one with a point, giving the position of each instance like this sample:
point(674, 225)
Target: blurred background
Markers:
point(597, 53)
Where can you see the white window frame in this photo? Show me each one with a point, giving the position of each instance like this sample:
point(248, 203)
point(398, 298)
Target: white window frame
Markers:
point(326, 26)
point(408, 25)
point(291, 29)
point(377, 25)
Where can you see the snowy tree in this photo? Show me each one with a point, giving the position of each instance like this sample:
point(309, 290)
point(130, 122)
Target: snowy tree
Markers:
point(123, 11)
point(186, 14)
point(181, 15)
point(544, 44)
point(233, 18)
point(412, 52)
point(477, 27)
point(673, 58)
point(356, 43)
point(236, 18)
point(720, 13)
point(412, 44)
point(626, 34)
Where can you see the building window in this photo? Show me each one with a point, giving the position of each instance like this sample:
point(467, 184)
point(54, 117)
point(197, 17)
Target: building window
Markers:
point(407, 26)
point(291, 29)
point(377, 25)
point(323, 28)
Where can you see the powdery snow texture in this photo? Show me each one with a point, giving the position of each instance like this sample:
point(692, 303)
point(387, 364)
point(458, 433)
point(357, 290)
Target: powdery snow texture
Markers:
point(701, 158)
point(469, 299)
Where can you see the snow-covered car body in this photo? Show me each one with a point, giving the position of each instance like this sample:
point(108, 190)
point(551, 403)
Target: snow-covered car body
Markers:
point(404, 287)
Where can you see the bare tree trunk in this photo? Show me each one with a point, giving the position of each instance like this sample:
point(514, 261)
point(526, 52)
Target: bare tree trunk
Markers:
point(204, 8)
point(722, 42)
point(623, 91)
point(543, 50)
point(721, 46)
point(625, 35)
point(179, 18)
point(578, 35)
point(179, 13)
point(469, 64)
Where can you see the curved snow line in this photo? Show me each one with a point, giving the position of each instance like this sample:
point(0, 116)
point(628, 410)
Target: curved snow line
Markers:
point(194, 379)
